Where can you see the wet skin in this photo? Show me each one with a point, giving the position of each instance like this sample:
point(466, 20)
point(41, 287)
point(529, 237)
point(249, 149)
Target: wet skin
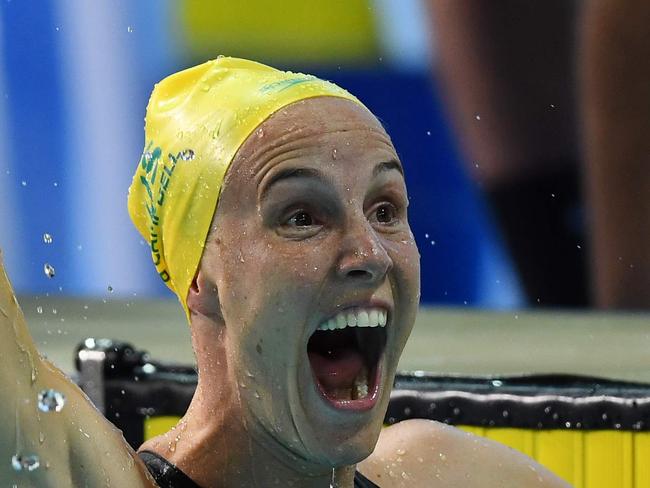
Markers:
point(330, 233)
point(269, 275)
point(312, 219)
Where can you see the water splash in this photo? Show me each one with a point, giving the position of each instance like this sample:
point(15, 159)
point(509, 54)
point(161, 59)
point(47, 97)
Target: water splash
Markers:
point(24, 462)
point(50, 401)
point(47, 238)
point(48, 269)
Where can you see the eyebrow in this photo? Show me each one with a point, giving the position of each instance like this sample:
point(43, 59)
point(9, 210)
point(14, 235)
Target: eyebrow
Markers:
point(311, 173)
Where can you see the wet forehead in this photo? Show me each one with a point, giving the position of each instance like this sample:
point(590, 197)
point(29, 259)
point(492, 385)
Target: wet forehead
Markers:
point(302, 123)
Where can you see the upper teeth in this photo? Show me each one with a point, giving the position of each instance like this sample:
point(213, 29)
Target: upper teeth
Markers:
point(357, 317)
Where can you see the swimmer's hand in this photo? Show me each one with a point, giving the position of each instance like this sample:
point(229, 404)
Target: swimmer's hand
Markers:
point(39, 447)
point(427, 453)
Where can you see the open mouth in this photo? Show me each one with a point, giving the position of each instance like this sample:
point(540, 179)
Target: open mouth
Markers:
point(345, 355)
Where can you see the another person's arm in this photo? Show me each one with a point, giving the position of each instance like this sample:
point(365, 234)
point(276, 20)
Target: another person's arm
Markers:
point(426, 453)
point(615, 71)
point(75, 446)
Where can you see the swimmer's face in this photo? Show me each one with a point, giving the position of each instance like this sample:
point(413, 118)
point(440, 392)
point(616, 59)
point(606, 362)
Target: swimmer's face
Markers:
point(311, 233)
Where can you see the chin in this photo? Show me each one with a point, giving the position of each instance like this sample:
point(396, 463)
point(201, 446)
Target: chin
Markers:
point(344, 448)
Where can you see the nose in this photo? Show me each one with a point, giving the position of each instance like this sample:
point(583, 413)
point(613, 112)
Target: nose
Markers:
point(363, 257)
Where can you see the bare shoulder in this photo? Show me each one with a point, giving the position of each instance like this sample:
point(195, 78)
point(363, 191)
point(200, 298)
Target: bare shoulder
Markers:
point(427, 453)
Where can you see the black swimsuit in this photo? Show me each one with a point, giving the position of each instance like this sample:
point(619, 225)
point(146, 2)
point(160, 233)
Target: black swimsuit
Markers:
point(169, 476)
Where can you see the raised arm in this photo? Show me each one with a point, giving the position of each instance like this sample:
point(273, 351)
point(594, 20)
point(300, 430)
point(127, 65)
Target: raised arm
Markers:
point(50, 433)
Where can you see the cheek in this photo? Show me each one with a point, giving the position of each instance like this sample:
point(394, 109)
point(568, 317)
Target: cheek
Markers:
point(406, 260)
point(297, 265)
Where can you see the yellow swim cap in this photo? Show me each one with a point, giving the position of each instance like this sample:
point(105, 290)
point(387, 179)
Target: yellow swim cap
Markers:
point(196, 121)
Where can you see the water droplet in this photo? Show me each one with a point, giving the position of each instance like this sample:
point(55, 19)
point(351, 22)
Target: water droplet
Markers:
point(48, 269)
point(129, 29)
point(24, 183)
point(579, 246)
point(50, 401)
point(442, 457)
point(478, 117)
point(205, 87)
point(47, 238)
point(334, 154)
point(401, 452)
point(39, 310)
point(186, 155)
point(110, 289)
point(426, 236)
point(428, 132)
point(25, 462)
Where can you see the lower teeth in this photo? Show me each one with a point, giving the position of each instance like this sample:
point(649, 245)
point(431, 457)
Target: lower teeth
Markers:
point(360, 389)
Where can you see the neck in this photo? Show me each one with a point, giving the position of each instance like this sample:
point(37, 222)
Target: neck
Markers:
point(212, 443)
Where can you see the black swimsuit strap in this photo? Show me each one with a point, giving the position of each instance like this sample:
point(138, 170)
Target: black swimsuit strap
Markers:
point(169, 476)
point(360, 481)
point(165, 473)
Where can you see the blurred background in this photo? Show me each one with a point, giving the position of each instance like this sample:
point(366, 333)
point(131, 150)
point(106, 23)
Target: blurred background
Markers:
point(74, 83)
point(484, 107)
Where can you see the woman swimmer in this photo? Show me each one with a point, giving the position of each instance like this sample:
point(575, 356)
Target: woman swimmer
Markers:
point(300, 300)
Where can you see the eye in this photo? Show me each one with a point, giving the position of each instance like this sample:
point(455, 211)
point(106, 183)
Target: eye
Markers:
point(300, 219)
point(386, 213)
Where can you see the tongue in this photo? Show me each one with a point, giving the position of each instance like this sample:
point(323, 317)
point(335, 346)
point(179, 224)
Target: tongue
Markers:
point(336, 369)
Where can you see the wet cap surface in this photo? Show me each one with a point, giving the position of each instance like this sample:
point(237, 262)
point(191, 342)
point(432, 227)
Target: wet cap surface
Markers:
point(196, 121)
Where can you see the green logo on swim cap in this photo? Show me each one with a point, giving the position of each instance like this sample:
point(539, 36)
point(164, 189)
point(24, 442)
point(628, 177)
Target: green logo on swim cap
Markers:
point(284, 84)
point(150, 158)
